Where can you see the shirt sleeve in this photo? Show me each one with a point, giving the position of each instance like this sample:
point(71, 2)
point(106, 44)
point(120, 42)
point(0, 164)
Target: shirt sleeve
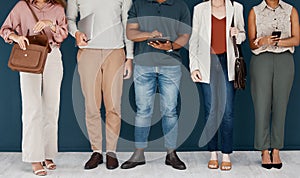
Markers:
point(240, 24)
point(132, 14)
point(194, 42)
point(9, 26)
point(185, 21)
point(61, 31)
point(72, 14)
point(129, 44)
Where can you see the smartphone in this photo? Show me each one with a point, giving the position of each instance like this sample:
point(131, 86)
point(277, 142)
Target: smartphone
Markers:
point(276, 33)
point(160, 39)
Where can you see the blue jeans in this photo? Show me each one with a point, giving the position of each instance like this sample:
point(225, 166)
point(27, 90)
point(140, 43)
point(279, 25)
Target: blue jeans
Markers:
point(218, 103)
point(146, 80)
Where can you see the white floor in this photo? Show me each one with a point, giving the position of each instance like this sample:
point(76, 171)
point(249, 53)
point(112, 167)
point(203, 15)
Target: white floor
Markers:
point(70, 165)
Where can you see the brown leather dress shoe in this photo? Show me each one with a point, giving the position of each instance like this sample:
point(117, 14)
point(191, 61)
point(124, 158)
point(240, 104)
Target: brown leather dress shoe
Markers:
point(94, 161)
point(173, 160)
point(111, 161)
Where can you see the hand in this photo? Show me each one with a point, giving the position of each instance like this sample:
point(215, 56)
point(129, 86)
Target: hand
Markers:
point(162, 46)
point(155, 34)
point(20, 40)
point(81, 39)
point(40, 25)
point(196, 76)
point(266, 41)
point(234, 31)
point(127, 69)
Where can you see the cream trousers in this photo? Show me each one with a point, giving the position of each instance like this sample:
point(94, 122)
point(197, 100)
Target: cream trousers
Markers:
point(40, 109)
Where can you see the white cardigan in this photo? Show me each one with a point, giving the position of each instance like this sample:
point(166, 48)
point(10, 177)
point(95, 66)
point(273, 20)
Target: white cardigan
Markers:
point(200, 42)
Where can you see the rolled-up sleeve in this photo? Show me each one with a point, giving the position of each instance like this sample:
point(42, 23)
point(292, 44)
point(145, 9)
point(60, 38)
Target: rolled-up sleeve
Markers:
point(9, 26)
point(61, 31)
point(240, 24)
point(72, 14)
point(129, 44)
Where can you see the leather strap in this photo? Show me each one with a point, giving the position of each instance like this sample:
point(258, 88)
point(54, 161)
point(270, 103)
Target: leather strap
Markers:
point(34, 16)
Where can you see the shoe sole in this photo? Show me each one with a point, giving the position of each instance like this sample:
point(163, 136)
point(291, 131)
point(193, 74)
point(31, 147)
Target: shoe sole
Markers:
point(93, 167)
point(111, 168)
point(169, 164)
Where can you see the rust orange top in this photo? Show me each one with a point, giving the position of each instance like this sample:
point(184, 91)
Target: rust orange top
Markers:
point(218, 35)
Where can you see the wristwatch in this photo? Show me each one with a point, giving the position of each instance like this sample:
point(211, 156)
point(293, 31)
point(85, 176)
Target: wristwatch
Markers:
point(170, 50)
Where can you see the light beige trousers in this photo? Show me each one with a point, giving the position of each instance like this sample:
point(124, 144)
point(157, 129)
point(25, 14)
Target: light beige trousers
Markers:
point(101, 75)
point(40, 109)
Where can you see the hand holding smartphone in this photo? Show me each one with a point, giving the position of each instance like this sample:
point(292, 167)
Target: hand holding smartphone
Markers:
point(158, 39)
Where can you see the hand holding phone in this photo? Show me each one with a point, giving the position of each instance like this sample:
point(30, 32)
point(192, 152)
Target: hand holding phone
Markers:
point(159, 39)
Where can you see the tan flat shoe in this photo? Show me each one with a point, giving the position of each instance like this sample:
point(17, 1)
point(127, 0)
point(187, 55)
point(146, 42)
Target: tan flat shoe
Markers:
point(226, 166)
point(213, 164)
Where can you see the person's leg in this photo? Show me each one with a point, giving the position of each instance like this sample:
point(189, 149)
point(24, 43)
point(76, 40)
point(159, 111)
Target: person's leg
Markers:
point(228, 116)
point(168, 82)
point(32, 121)
point(33, 141)
point(52, 77)
point(226, 127)
point(214, 102)
point(145, 83)
point(112, 85)
point(89, 68)
point(261, 73)
point(282, 84)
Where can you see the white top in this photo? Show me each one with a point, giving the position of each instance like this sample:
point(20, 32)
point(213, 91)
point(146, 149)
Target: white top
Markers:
point(269, 20)
point(200, 42)
point(110, 22)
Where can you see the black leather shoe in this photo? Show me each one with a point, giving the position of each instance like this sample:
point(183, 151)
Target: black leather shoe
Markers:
point(111, 161)
point(138, 158)
point(173, 160)
point(128, 164)
point(94, 161)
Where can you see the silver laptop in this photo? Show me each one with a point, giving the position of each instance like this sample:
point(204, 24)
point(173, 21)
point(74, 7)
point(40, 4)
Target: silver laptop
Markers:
point(86, 25)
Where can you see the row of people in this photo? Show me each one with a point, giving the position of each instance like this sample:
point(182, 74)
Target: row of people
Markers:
point(120, 24)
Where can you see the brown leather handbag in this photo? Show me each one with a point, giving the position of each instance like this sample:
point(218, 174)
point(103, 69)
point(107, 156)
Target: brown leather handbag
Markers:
point(240, 68)
point(33, 59)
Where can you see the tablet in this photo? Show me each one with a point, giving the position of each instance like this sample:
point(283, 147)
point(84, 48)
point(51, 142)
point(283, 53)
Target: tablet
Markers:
point(86, 26)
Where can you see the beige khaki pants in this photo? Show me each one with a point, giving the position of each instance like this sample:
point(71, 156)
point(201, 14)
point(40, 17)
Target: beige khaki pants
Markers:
point(101, 76)
point(40, 109)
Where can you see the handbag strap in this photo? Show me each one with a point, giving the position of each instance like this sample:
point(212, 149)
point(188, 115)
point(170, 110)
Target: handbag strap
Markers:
point(34, 16)
point(237, 50)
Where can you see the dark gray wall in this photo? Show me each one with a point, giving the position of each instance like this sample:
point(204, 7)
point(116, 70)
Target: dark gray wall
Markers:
point(71, 137)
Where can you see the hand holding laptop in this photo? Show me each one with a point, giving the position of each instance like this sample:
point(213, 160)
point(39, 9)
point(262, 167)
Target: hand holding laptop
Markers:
point(81, 39)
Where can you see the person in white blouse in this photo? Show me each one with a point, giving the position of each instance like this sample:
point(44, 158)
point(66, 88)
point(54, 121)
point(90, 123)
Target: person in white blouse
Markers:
point(211, 61)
